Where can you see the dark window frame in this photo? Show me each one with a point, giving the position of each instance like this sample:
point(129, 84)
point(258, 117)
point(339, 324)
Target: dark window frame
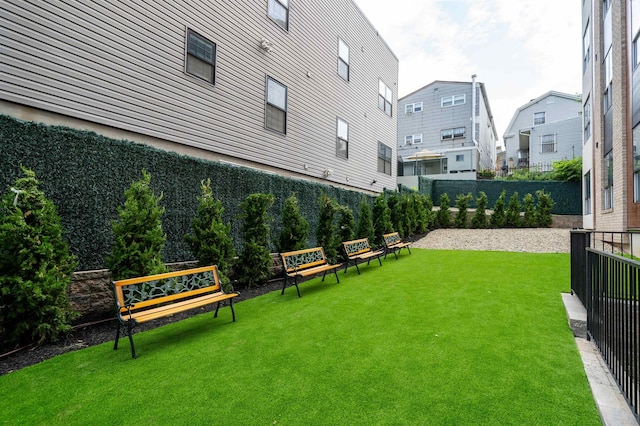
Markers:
point(275, 19)
point(385, 157)
point(195, 52)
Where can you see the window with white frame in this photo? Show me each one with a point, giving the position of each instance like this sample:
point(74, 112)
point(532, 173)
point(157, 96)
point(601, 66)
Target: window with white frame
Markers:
point(448, 101)
point(342, 138)
point(608, 183)
point(385, 98)
point(607, 98)
point(586, 119)
point(278, 10)
point(455, 133)
point(587, 193)
point(343, 59)
point(548, 144)
point(413, 139)
point(201, 57)
point(411, 108)
point(539, 118)
point(586, 47)
point(636, 164)
point(459, 158)
point(276, 106)
point(606, 4)
point(384, 158)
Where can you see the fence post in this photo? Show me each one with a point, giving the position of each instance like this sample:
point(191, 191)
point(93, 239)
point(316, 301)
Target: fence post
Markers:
point(580, 240)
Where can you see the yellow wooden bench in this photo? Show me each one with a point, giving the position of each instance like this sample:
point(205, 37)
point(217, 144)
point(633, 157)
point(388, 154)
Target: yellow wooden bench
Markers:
point(359, 251)
point(143, 299)
point(304, 263)
point(393, 243)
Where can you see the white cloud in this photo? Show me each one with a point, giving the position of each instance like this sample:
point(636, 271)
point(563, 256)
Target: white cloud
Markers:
point(519, 49)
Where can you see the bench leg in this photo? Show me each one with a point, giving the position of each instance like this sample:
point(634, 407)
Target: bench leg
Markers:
point(115, 344)
point(233, 313)
point(284, 285)
point(379, 261)
point(295, 281)
point(130, 332)
point(335, 272)
point(215, 315)
point(408, 248)
point(357, 269)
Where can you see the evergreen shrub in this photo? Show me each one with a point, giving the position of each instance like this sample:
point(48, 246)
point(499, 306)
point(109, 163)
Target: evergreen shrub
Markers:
point(254, 263)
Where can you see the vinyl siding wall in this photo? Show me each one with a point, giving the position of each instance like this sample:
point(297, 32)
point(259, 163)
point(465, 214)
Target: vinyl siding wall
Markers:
point(121, 64)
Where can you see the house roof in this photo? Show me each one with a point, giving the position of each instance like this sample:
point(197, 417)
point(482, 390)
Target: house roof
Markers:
point(533, 102)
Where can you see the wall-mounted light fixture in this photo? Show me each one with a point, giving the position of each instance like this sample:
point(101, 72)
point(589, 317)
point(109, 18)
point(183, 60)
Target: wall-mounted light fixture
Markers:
point(373, 182)
point(266, 45)
point(327, 172)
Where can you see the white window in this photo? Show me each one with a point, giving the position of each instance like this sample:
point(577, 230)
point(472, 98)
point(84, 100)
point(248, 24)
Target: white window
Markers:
point(412, 139)
point(385, 98)
point(587, 193)
point(411, 108)
point(448, 101)
point(201, 57)
point(276, 108)
point(343, 59)
point(279, 12)
point(455, 133)
point(548, 144)
point(586, 117)
point(586, 47)
point(408, 108)
point(459, 158)
point(539, 118)
point(342, 139)
point(608, 185)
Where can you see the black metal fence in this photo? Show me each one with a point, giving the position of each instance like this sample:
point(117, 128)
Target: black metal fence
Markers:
point(605, 276)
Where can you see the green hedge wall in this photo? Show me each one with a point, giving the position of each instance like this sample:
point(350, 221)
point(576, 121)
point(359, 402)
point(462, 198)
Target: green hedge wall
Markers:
point(566, 195)
point(85, 174)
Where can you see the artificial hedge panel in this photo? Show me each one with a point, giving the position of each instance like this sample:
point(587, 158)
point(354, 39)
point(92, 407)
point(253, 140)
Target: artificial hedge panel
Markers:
point(566, 195)
point(86, 174)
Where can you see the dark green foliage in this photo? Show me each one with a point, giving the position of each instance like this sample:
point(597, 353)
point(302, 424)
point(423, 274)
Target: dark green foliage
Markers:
point(326, 230)
point(295, 228)
point(529, 206)
point(443, 216)
point(365, 222)
point(486, 174)
point(255, 260)
point(512, 217)
point(381, 219)
point(394, 202)
point(567, 170)
point(543, 211)
point(422, 215)
point(138, 236)
point(462, 216)
point(410, 212)
point(498, 218)
point(429, 213)
point(35, 266)
point(479, 219)
point(210, 241)
point(346, 227)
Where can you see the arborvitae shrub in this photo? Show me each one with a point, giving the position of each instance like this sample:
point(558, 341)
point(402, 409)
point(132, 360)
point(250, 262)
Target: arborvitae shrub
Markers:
point(498, 218)
point(529, 207)
point(462, 216)
point(381, 219)
point(512, 218)
point(255, 260)
point(543, 211)
point(429, 213)
point(422, 219)
point(346, 227)
point(326, 230)
point(210, 240)
point(410, 212)
point(35, 266)
point(138, 234)
point(365, 222)
point(295, 228)
point(443, 216)
point(395, 208)
point(479, 219)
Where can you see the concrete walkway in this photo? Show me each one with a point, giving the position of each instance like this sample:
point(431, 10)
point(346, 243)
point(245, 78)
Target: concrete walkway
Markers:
point(613, 408)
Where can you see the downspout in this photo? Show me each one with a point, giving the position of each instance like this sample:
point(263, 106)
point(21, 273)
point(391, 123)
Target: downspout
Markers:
point(473, 117)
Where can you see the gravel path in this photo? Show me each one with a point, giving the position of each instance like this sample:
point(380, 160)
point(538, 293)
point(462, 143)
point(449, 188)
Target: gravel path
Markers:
point(533, 240)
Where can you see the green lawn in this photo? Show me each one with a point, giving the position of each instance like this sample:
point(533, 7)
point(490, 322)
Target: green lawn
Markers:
point(436, 337)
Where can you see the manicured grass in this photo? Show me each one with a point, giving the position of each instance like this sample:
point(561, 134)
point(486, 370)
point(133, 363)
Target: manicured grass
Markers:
point(436, 337)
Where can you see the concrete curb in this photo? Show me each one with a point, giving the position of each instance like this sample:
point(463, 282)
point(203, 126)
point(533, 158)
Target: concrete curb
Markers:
point(613, 408)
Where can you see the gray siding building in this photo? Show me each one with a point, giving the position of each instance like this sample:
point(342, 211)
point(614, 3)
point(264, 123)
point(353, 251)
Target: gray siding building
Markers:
point(544, 130)
point(302, 89)
point(445, 130)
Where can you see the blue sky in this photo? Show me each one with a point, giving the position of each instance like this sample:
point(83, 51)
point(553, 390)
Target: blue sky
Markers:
point(520, 49)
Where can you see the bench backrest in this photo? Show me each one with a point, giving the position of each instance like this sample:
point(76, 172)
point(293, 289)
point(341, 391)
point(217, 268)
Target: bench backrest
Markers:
point(302, 259)
point(356, 247)
point(142, 292)
point(391, 238)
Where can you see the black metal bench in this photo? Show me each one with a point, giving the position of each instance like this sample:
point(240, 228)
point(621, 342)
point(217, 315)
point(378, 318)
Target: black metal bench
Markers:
point(359, 251)
point(393, 243)
point(143, 299)
point(304, 263)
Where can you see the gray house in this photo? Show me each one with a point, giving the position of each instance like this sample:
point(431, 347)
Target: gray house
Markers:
point(445, 130)
point(302, 89)
point(544, 130)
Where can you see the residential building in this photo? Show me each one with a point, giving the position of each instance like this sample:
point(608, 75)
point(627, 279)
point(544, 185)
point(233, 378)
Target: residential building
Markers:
point(302, 89)
point(445, 130)
point(544, 130)
point(611, 114)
